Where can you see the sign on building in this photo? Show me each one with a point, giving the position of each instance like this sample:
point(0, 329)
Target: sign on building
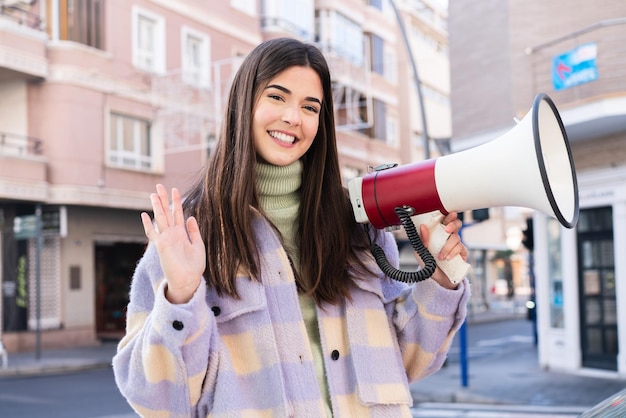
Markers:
point(577, 66)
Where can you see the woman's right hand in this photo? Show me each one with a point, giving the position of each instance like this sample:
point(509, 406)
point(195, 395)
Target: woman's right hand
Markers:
point(181, 250)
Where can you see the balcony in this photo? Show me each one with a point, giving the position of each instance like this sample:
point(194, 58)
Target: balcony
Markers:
point(22, 168)
point(597, 107)
point(22, 45)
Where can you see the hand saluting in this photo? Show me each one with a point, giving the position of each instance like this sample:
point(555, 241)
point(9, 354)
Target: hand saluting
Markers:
point(181, 250)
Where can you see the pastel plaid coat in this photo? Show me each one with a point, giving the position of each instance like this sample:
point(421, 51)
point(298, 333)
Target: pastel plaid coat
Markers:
point(220, 357)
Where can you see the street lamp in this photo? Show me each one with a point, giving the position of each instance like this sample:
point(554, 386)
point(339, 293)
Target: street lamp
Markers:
point(426, 145)
point(416, 79)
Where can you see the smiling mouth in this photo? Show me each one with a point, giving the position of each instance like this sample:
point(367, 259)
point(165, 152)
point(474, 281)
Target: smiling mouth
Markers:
point(282, 137)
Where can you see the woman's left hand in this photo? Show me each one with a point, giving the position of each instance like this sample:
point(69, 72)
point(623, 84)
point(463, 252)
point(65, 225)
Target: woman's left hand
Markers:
point(452, 247)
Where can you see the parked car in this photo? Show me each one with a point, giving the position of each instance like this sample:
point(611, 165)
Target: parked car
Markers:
point(612, 407)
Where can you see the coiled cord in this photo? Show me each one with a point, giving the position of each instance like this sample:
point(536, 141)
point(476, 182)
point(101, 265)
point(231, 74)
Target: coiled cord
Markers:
point(406, 276)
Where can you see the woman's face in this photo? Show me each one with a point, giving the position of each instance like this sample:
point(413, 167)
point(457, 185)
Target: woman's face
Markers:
point(286, 115)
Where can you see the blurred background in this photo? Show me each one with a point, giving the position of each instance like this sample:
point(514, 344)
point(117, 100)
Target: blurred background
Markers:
point(102, 99)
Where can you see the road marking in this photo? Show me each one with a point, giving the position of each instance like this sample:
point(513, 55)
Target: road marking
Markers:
point(458, 410)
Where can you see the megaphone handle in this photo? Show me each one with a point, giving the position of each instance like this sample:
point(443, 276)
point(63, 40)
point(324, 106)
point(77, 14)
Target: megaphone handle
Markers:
point(429, 261)
point(456, 268)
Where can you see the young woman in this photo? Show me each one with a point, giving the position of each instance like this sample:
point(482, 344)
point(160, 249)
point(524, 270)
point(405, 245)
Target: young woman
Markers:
point(258, 295)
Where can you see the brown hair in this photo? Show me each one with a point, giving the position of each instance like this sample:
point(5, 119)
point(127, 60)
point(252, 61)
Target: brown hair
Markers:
point(331, 243)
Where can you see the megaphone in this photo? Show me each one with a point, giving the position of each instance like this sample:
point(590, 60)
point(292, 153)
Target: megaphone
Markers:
point(529, 166)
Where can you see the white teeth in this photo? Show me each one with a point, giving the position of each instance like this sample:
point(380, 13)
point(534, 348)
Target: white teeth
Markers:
point(288, 139)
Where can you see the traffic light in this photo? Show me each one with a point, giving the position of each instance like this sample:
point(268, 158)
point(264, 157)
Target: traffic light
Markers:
point(528, 240)
point(478, 215)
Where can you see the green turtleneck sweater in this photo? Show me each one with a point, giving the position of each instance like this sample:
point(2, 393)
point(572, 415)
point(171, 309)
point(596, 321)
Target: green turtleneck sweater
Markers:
point(279, 195)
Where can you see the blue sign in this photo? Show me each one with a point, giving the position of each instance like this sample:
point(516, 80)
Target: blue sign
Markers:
point(575, 67)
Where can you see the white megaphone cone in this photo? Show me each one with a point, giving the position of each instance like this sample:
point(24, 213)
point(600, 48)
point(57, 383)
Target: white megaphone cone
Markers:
point(529, 166)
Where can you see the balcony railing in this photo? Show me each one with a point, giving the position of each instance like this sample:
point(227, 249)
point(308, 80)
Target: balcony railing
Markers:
point(19, 145)
point(21, 16)
point(608, 37)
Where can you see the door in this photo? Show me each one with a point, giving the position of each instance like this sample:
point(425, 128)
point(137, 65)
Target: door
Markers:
point(598, 309)
point(115, 264)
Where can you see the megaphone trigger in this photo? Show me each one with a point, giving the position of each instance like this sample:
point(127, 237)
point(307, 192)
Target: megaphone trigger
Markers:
point(456, 268)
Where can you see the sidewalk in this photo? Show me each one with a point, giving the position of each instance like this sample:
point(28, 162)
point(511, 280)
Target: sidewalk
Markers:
point(58, 361)
point(514, 377)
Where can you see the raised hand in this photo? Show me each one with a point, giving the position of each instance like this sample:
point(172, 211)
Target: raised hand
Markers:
point(181, 250)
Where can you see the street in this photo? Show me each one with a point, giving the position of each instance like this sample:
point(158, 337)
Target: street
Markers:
point(93, 394)
point(456, 410)
point(88, 394)
point(492, 338)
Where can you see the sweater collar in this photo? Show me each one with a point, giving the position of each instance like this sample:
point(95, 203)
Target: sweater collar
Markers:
point(278, 186)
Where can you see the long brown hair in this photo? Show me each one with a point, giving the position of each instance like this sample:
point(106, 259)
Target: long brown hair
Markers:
point(331, 242)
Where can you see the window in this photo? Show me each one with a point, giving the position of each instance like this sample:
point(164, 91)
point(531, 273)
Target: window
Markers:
point(349, 172)
point(148, 41)
point(195, 58)
point(391, 130)
point(555, 275)
point(77, 20)
point(378, 129)
point(597, 288)
point(435, 95)
point(347, 39)
point(380, 120)
point(377, 4)
point(377, 53)
point(246, 6)
point(351, 108)
point(391, 66)
point(293, 16)
point(129, 142)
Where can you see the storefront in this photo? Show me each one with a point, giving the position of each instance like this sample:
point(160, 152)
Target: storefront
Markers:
point(580, 279)
point(72, 284)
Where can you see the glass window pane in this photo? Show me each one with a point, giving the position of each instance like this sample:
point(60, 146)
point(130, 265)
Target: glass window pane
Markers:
point(378, 55)
point(587, 254)
point(608, 281)
point(129, 142)
point(594, 341)
point(583, 221)
point(113, 121)
point(555, 273)
point(592, 311)
point(610, 312)
point(591, 282)
point(146, 34)
point(128, 135)
point(556, 305)
point(82, 22)
point(611, 341)
point(606, 253)
point(377, 4)
point(144, 139)
point(347, 39)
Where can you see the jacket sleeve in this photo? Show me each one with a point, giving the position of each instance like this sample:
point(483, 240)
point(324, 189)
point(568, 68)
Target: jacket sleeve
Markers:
point(163, 360)
point(425, 315)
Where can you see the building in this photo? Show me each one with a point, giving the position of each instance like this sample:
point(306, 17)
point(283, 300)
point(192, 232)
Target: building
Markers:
point(104, 99)
point(573, 51)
